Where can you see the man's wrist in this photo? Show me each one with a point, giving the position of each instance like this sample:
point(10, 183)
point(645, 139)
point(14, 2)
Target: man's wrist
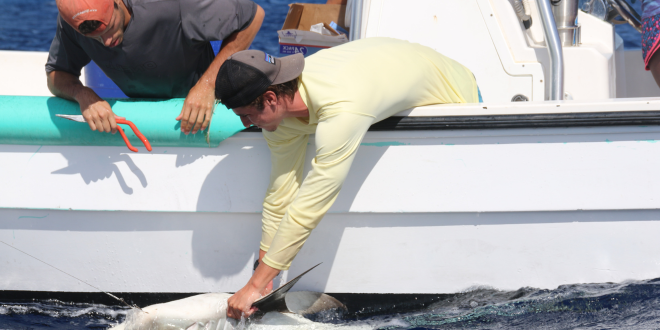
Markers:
point(207, 83)
point(255, 286)
point(84, 95)
point(262, 276)
point(256, 264)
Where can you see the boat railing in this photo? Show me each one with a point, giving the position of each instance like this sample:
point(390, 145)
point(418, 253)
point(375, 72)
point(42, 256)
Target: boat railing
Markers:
point(555, 51)
point(356, 20)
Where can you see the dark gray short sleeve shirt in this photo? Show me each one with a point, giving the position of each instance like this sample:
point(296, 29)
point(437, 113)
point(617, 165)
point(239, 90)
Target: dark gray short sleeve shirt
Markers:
point(165, 49)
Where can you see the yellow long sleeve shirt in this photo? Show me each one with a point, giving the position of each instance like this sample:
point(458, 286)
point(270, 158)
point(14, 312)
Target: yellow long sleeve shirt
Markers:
point(346, 89)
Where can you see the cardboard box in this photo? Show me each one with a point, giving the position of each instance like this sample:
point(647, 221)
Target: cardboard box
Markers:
point(295, 35)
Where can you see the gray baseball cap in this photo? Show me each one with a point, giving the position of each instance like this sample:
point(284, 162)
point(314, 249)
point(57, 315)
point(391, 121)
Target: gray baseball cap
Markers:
point(246, 75)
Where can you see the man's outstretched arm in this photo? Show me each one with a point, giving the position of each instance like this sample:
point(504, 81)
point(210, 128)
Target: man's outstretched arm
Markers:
point(287, 158)
point(96, 111)
point(337, 140)
point(198, 107)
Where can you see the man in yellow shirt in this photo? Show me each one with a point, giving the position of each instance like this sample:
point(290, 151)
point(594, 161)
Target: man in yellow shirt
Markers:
point(337, 94)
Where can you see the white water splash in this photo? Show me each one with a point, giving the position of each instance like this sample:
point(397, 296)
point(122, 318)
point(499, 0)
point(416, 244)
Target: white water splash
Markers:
point(281, 321)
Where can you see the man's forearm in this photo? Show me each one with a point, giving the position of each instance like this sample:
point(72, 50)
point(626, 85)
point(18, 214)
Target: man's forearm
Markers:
point(236, 41)
point(263, 274)
point(96, 111)
point(67, 86)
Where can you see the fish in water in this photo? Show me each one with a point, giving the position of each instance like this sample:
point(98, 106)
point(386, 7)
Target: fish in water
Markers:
point(209, 310)
point(204, 311)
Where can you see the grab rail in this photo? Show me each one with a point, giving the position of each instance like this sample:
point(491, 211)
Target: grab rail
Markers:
point(554, 50)
point(356, 20)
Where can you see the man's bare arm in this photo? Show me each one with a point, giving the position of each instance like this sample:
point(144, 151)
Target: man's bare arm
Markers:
point(63, 84)
point(96, 111)
point(198, 107)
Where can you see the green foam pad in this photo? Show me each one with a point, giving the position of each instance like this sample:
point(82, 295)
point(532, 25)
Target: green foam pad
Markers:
point(31, 120)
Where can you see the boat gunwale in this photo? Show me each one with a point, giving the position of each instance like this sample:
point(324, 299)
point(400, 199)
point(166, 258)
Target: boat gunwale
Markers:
point(500, 121)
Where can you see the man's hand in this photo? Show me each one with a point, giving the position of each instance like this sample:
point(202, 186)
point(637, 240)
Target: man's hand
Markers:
point(197, 108)
point(259, 285)
point(97, 112)
point(240, 304)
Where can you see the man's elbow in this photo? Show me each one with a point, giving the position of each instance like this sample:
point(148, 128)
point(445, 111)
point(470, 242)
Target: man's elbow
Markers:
point(50, 81)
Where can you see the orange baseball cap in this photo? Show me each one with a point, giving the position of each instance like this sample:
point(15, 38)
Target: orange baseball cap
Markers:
point(75, 12)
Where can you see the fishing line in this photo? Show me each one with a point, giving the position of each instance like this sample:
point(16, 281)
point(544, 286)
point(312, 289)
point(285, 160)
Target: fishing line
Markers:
point(109, 294)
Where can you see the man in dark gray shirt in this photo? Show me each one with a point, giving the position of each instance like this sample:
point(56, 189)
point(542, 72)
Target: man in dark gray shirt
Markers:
point(149, 48)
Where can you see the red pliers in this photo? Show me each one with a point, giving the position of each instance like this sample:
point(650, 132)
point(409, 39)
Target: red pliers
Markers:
point(81, 119)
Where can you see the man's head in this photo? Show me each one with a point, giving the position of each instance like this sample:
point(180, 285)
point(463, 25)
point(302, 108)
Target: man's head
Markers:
point(254, 84)
point(102, 20)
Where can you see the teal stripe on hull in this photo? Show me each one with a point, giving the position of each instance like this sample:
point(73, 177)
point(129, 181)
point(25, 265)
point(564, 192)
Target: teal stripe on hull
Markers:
point(31, 120)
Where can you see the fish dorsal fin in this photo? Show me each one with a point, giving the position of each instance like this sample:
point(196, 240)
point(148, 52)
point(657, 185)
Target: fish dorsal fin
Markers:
point(274, 301)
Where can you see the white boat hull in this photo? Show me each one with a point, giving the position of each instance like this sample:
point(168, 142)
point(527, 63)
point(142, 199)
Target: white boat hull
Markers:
point(421, 212)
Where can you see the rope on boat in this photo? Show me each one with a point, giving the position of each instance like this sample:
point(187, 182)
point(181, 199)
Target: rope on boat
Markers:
point(109, 294)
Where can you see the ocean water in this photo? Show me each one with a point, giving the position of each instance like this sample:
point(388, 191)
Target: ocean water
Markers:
point(30, 25)
point(632, 305)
